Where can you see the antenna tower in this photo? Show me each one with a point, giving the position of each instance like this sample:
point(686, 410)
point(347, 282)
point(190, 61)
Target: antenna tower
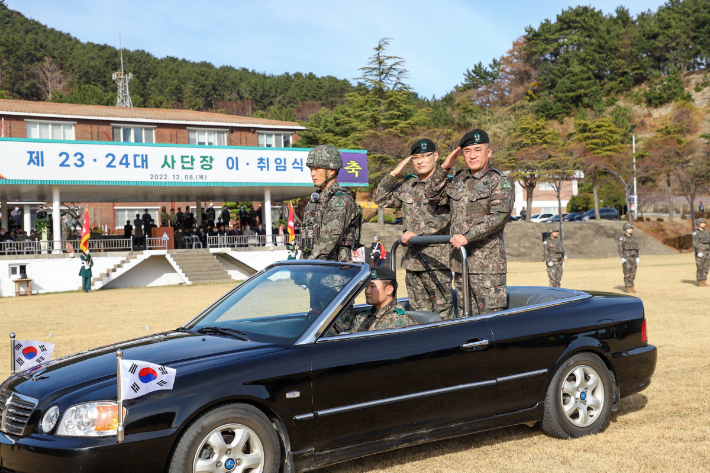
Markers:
point(123, 79)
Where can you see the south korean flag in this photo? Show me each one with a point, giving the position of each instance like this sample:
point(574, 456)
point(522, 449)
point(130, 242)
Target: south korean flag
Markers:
point(140, 377)
point(31, 353)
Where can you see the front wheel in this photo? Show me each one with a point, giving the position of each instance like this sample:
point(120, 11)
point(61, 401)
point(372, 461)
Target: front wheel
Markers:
point(235, 438)
point(579, 399)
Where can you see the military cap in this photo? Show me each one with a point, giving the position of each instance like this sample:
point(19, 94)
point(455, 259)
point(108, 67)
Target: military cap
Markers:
point(627, 226)
point(474, 137)
point(554, 228)
point(382, 272)
point(423, 146)
point(324, 156)
point(698, 221)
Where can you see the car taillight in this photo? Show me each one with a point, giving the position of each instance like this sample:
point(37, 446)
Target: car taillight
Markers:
point(644, 336)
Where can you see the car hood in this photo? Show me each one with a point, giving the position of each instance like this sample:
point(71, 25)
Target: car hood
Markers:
point(181, 350)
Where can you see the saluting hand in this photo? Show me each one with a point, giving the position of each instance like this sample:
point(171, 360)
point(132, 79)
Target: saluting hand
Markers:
point(458, 240)
point(400, 167)
point(451, 159)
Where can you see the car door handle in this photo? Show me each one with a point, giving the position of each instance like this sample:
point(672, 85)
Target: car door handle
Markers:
point(476, 344)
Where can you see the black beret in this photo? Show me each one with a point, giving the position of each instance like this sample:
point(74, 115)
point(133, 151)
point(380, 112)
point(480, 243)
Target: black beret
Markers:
point(382, 272)
point(474, 137)
point(423, 146)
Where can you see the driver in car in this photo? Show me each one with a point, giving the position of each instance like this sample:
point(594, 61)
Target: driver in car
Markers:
point(385, 312)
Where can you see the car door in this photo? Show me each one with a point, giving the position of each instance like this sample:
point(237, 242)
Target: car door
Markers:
point(374, 385)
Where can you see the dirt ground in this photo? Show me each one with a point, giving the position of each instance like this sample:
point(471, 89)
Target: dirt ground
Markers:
point(665, 428)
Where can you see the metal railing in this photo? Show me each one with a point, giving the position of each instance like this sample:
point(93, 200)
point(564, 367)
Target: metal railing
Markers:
point(69, 246)
point(438, 240)
point(157, 243)
point(244, 241)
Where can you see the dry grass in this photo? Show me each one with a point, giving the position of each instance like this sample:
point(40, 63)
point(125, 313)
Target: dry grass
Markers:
point(665, 428)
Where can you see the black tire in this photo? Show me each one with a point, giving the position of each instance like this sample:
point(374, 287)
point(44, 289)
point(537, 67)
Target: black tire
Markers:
point(558, 424)
point(243, 414)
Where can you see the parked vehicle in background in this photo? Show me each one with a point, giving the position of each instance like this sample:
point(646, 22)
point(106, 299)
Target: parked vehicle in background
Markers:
point(514, 218)
point(540, 217)
point(556, 218)
point(605, 213)
point(571, 217)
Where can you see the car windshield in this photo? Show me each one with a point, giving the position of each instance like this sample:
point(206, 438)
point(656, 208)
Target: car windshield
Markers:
point(278, 305)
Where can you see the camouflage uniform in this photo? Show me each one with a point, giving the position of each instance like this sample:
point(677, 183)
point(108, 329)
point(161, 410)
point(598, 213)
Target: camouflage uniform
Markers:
point(481, 204)
point(423, 218)
point(332, 227)
point(553, 252)
point(628, 250)
point(391, 315)
point(701, 245)
point(332, 219)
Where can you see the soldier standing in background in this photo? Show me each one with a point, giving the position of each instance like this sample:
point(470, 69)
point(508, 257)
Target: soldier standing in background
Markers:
point(629, 253)
point(428, 284)
point(85, 272)
point(481, 200)
point(554, 254)
point(701, 246)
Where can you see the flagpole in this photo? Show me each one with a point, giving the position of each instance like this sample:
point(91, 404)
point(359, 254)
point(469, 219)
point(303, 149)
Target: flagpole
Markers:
point(12, 353)
point(119, 397)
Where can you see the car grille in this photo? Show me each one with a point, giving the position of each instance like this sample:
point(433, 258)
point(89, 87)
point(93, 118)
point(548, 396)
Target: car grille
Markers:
point(15, 410)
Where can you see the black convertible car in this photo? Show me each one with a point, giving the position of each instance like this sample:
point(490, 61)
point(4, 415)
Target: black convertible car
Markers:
point(264, 386)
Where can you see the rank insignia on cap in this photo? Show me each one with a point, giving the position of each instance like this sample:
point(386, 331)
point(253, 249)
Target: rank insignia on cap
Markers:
point(477, 137)
point(424, 146)
point(373, 273)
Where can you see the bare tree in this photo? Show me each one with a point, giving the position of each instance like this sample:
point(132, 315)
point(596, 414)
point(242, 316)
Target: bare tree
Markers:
point(51, 78)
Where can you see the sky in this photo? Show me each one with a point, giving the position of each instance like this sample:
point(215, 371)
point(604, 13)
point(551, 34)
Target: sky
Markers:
point(438, 39)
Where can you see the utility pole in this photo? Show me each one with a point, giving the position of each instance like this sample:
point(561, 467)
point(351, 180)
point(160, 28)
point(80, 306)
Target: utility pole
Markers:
point(633, 151)
point(124, 96)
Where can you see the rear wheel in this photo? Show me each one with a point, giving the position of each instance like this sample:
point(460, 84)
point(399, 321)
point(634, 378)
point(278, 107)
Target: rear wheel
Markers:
point(236, 438)
point(579, 399)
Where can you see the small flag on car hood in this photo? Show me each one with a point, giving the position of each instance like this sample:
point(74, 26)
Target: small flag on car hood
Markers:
point(31, 353)
point(140, 377)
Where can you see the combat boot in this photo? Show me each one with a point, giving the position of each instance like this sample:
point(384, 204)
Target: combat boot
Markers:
point(629, 289)
point(703, 283)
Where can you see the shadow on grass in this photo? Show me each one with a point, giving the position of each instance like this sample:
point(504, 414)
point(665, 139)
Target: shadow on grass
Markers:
point(690, 281)
point(620, 288)
point(404, 456)
point(629, 405)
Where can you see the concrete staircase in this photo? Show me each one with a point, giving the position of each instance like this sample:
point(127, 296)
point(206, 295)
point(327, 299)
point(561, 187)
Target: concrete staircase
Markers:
point(199, 266)
point(582, 240)
point(98, 281)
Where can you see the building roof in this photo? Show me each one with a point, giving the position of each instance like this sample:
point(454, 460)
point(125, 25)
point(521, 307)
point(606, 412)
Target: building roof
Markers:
point(141, 115)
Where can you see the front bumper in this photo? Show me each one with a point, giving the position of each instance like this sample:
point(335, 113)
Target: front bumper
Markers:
point(144, 452)
point(634, 368)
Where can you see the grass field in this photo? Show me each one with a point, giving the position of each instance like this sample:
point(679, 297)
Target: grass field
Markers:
point(665, 428)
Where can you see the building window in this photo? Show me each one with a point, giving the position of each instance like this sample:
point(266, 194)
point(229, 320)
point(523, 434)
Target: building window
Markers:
point(274, 140)
point(129, 213)
point(207, 137)
point(50, 130)
point(546, 186)
point(133, 134)
point(18, 269)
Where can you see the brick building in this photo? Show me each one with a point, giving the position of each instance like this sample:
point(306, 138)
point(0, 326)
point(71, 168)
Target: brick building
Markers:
point(92, 123)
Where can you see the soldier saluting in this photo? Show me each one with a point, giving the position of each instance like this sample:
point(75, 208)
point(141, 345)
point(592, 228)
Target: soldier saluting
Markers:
point(629, 254)
point(554, 254)
point(428, 284)
point(701, 246)
point(332, 219)
point(481, 200)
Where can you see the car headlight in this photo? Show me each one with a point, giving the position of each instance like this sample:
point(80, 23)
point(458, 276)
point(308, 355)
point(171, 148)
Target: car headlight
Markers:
point(49, 419)
point(90, 419)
